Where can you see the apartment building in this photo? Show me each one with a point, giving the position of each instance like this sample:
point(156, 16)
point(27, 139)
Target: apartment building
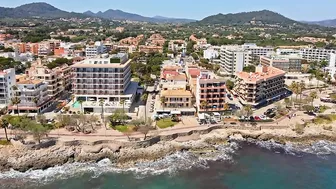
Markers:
point(311, 54)
point(264, 86)
point(331, 69)
point(257, 51)
point(234, 58)
point(177, 45)
point(7, 81)
point(108, 79)
point(176, 82)
point(95, 49)
point(150, 49)
point(287, 51)
point(210, 54)
point(156, 40)
point(43, 49)
point(210, 93)
point(287, 63)
point(33, 95)
point(179, 101)
point(57, 79)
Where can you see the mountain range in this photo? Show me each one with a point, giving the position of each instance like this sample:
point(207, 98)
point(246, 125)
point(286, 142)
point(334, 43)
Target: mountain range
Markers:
point(44, 10)
point(121, 15)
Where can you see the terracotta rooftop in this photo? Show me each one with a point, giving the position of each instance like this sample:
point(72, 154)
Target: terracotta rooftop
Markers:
point(266, 73)
point(177, 93)
point(180, 77)
point(194, 72)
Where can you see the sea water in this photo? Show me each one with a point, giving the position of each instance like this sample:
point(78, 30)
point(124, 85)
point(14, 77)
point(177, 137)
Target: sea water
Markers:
point(240, 165)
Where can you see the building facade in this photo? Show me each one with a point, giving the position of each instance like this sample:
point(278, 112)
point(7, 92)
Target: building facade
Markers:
point(287, 63)
point(33, 95)
point(311, 54)
point(210, 93)
point(7, 81)
point(234, 58)
point(106, 79)
point(178, 100)
point(95, 49)
point(264, 86)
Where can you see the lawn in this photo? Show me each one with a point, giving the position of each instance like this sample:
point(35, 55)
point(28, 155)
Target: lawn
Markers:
point(324, 119)
point(124, 128)
point(165, 123)
point(4, 143)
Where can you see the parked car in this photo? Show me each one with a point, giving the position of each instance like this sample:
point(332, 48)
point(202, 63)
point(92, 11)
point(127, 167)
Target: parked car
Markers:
point(257, 118)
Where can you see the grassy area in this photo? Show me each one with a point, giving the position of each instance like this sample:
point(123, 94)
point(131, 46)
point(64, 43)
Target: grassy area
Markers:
point(165, 123)
point(5, 143)
point(324, 119)
point(124, 128)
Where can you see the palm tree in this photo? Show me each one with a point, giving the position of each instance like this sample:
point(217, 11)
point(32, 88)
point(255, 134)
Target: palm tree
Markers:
point(313, 96)
point(73, 98)
point(81, 104)
point(163, 102)
point(204, 105)
point(311, 77)
point(122, 102)
point(301, 88)
point(144, 99)
point(16, 101)
point(248, 110)
point(4, 124)
point(35, 100)
point(294, 88)
point(101, 103)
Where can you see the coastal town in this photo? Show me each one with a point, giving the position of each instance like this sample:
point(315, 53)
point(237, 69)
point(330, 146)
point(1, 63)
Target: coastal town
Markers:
point(132, 82)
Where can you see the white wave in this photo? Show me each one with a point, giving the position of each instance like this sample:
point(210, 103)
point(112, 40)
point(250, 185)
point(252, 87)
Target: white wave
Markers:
point(320, 148)
point(170, 164)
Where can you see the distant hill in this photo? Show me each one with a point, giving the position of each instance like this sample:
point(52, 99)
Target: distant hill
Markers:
point(121, 15)
point(42, 10)
point(326, 23)
point(264, 16)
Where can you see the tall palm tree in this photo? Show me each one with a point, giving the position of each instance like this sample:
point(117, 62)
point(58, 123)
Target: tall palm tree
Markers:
point(204, 105)
point(310, 78)
point(101, 103)
point(35, 100)
point(163, 102)
point(313, 96)
point(144, 99)
point(16, 101)
point(294, 88)
point(73, 98)
point(248, 110)
point(301, 87)
point(122, 102)
point(81, 104)
point(4, 124)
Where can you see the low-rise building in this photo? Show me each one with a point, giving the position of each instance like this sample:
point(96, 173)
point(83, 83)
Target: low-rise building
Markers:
point(176, 82)
point(179, 101)
point(210, 54)
point(177, 45)
point(33, 95)
point(210, 93)
point(287, 63)
point(262, 87)
point(150, 49)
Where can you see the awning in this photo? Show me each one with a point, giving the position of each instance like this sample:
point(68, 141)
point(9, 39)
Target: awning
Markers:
point(176, 112)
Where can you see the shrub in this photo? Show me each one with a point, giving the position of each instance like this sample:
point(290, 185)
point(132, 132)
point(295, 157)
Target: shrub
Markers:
point(5, 143)
point(299, 129)
point(327, 127)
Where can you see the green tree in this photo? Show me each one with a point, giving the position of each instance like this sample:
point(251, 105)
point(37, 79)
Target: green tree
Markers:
point(313, 96)
point(163, 102)
point(229, 84)
point(4, 124)
point(248, 110)
point(80, 101)
point(16, 101)
point(204, 105)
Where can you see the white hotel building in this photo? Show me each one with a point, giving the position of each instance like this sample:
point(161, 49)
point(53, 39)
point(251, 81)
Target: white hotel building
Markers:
point(108, 79)
point(311, 54)
point(7, 80)
point(234, 58)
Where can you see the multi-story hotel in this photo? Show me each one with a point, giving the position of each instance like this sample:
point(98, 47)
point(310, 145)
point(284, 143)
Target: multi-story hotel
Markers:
point(312, 54)
point(331, 69)
point(58, 79)
point(95, 49)
point(256, 50)
point(262, 87)
point(7, 81)
point(33, 95)
point(234, 58)
point(108, 79)
point(287, 63)
point(210, 93)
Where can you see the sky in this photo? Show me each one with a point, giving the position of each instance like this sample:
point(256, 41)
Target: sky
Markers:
point(308, 10)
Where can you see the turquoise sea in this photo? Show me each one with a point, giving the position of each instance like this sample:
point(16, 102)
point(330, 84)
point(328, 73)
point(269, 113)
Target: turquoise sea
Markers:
point(242, 165)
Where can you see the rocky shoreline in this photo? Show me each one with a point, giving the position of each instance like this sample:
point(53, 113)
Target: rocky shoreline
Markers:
point(127, 154)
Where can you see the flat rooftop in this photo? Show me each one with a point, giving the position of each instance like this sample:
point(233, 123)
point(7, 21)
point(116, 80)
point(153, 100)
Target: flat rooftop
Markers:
point(105, 64)
point(267, 73)
point(176, 93)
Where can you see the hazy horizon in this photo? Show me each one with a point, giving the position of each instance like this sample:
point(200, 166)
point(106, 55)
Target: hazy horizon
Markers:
point(196, 9)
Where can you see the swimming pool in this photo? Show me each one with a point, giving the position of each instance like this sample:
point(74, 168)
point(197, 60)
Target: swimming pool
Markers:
point(76, 104)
